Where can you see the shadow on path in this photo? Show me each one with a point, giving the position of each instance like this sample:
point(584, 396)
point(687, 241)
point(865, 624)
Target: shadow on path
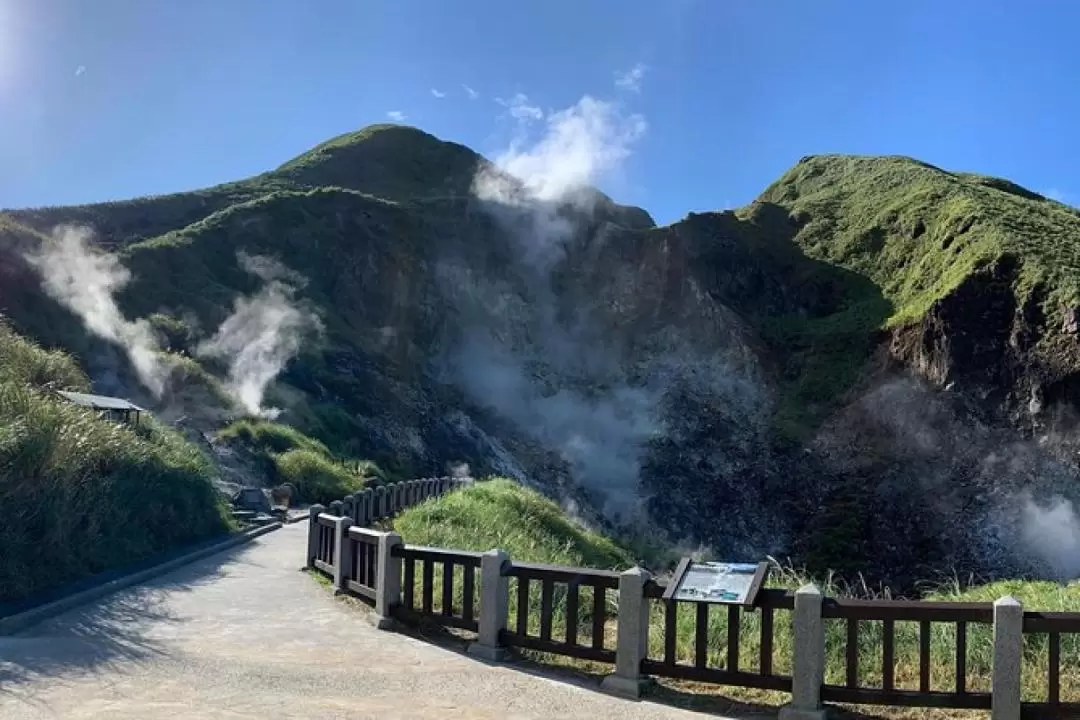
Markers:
point(127, 626)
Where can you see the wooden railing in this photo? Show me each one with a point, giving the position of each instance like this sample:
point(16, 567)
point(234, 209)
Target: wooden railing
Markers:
point(326, 542)
point(731, 673)
point(1053, 625)
point(609, 617)
point(453, 564)
point(888, 613)
point(560, 601)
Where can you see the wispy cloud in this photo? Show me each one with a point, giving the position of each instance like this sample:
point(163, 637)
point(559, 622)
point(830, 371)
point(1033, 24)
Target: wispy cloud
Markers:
point(1055, 194)
point(470, 92)
point(438, 93)
point(80, 71)
point(520, 109)
point(631, 79)
point(396, 115)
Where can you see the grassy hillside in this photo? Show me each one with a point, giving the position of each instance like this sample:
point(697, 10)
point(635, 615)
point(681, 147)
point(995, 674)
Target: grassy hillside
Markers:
point(288, 456)
point(502, 514)
point(82, 495)
point(917, 231)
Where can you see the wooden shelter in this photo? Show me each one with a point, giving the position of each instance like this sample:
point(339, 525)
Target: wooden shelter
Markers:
point(113, 408)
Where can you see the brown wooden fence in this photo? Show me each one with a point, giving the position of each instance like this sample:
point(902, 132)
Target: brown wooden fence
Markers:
point(611, 617)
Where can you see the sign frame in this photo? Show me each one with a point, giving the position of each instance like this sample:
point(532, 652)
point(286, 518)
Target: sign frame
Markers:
point(684, 566)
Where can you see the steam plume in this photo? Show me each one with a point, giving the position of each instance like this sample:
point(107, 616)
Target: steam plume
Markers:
point(85, 282)
point(262, 334)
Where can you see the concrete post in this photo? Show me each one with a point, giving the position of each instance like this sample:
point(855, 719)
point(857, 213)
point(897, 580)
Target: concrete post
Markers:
point(387, 581)
point(342, 553)
point(809, 662)
point(632, 643)
point(313, 535)
point(1008, 653)
point(494, 606)
point(399, 497)
point(348, 506)
point(335, 508)
point(366, 499)
point(380, 503)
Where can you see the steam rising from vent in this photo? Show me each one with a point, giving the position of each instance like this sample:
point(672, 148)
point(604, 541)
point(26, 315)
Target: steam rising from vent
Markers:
point(262, 335)
point(85, 282)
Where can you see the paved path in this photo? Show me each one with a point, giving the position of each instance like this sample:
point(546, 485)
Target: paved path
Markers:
point(244, 634)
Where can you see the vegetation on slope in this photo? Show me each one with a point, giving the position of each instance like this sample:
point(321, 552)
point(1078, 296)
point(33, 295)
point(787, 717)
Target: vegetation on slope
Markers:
point(917, 231)
point(289, 456)
point(502, 514)
point(82, 495)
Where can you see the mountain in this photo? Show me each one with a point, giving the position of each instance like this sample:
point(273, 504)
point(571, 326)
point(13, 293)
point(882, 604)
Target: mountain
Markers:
point(870, 367)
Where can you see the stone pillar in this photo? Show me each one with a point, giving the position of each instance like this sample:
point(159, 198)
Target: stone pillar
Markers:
point(399, 497)
point(335, 508)
point(313, 535)
point(494, 606)
point(380, 503)
point(1008, 654)
point(387, 581)
point(342, 553)
point(632, 644)
point(809, 661)
point(366, 499)
point(348, 506)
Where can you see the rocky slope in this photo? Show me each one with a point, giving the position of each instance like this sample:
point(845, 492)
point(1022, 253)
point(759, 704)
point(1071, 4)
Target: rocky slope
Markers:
point(856, 369)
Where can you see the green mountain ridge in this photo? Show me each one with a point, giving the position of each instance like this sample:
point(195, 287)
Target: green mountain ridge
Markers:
point(706, 363)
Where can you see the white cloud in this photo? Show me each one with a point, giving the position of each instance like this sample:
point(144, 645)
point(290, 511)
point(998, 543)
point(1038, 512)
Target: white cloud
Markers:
point(631, 79)
point(471, 93)
point(396, 115)
point(520, 109)
point(438, 93)
point(81, 70)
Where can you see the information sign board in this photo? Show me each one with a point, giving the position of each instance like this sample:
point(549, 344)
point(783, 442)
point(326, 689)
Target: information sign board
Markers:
point(717, 582)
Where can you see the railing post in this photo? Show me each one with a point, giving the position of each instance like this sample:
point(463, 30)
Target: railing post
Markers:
point(1008, 653)
point(336, 508)
point(380, 503)
point(632, 643)
point(809, 662)
point(387, 581)
point(313, 535)
point(342, 553)
point(364, 516)
point(494, 606)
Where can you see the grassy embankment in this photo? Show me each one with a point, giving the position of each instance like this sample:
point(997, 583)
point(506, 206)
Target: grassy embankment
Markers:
point(289, 456)
point(82, 495)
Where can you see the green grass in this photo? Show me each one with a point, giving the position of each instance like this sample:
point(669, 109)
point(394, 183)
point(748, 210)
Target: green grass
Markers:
point(80, 494)
point(290, 456)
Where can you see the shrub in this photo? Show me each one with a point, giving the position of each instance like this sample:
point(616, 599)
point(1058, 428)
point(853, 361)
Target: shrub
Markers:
point(316, 477)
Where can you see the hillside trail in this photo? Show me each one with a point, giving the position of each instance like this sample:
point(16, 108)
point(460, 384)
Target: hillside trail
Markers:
point(244, 634)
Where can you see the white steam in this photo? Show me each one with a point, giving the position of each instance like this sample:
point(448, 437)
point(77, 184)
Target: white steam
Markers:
point(257, 340)
point(1051, 532)
point(86, 282)
point(261, 336)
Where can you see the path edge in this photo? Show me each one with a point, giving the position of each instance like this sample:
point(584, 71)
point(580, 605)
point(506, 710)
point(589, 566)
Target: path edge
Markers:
point(20, 621)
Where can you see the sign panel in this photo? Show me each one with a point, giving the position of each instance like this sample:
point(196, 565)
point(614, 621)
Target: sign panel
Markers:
point(717, 582)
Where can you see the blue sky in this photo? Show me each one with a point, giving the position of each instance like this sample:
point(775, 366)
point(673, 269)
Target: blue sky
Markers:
point(107, 99)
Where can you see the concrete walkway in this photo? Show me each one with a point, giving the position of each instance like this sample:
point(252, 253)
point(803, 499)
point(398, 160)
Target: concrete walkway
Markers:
point(244, 634)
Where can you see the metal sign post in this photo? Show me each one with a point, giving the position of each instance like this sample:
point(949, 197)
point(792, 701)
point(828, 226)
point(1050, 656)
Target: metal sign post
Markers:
point(717, 582)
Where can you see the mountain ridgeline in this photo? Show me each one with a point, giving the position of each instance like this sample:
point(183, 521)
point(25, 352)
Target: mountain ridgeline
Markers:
point(872, 368)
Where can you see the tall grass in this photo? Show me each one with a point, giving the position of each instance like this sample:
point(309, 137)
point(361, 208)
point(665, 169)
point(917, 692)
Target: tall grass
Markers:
point(80, 494)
